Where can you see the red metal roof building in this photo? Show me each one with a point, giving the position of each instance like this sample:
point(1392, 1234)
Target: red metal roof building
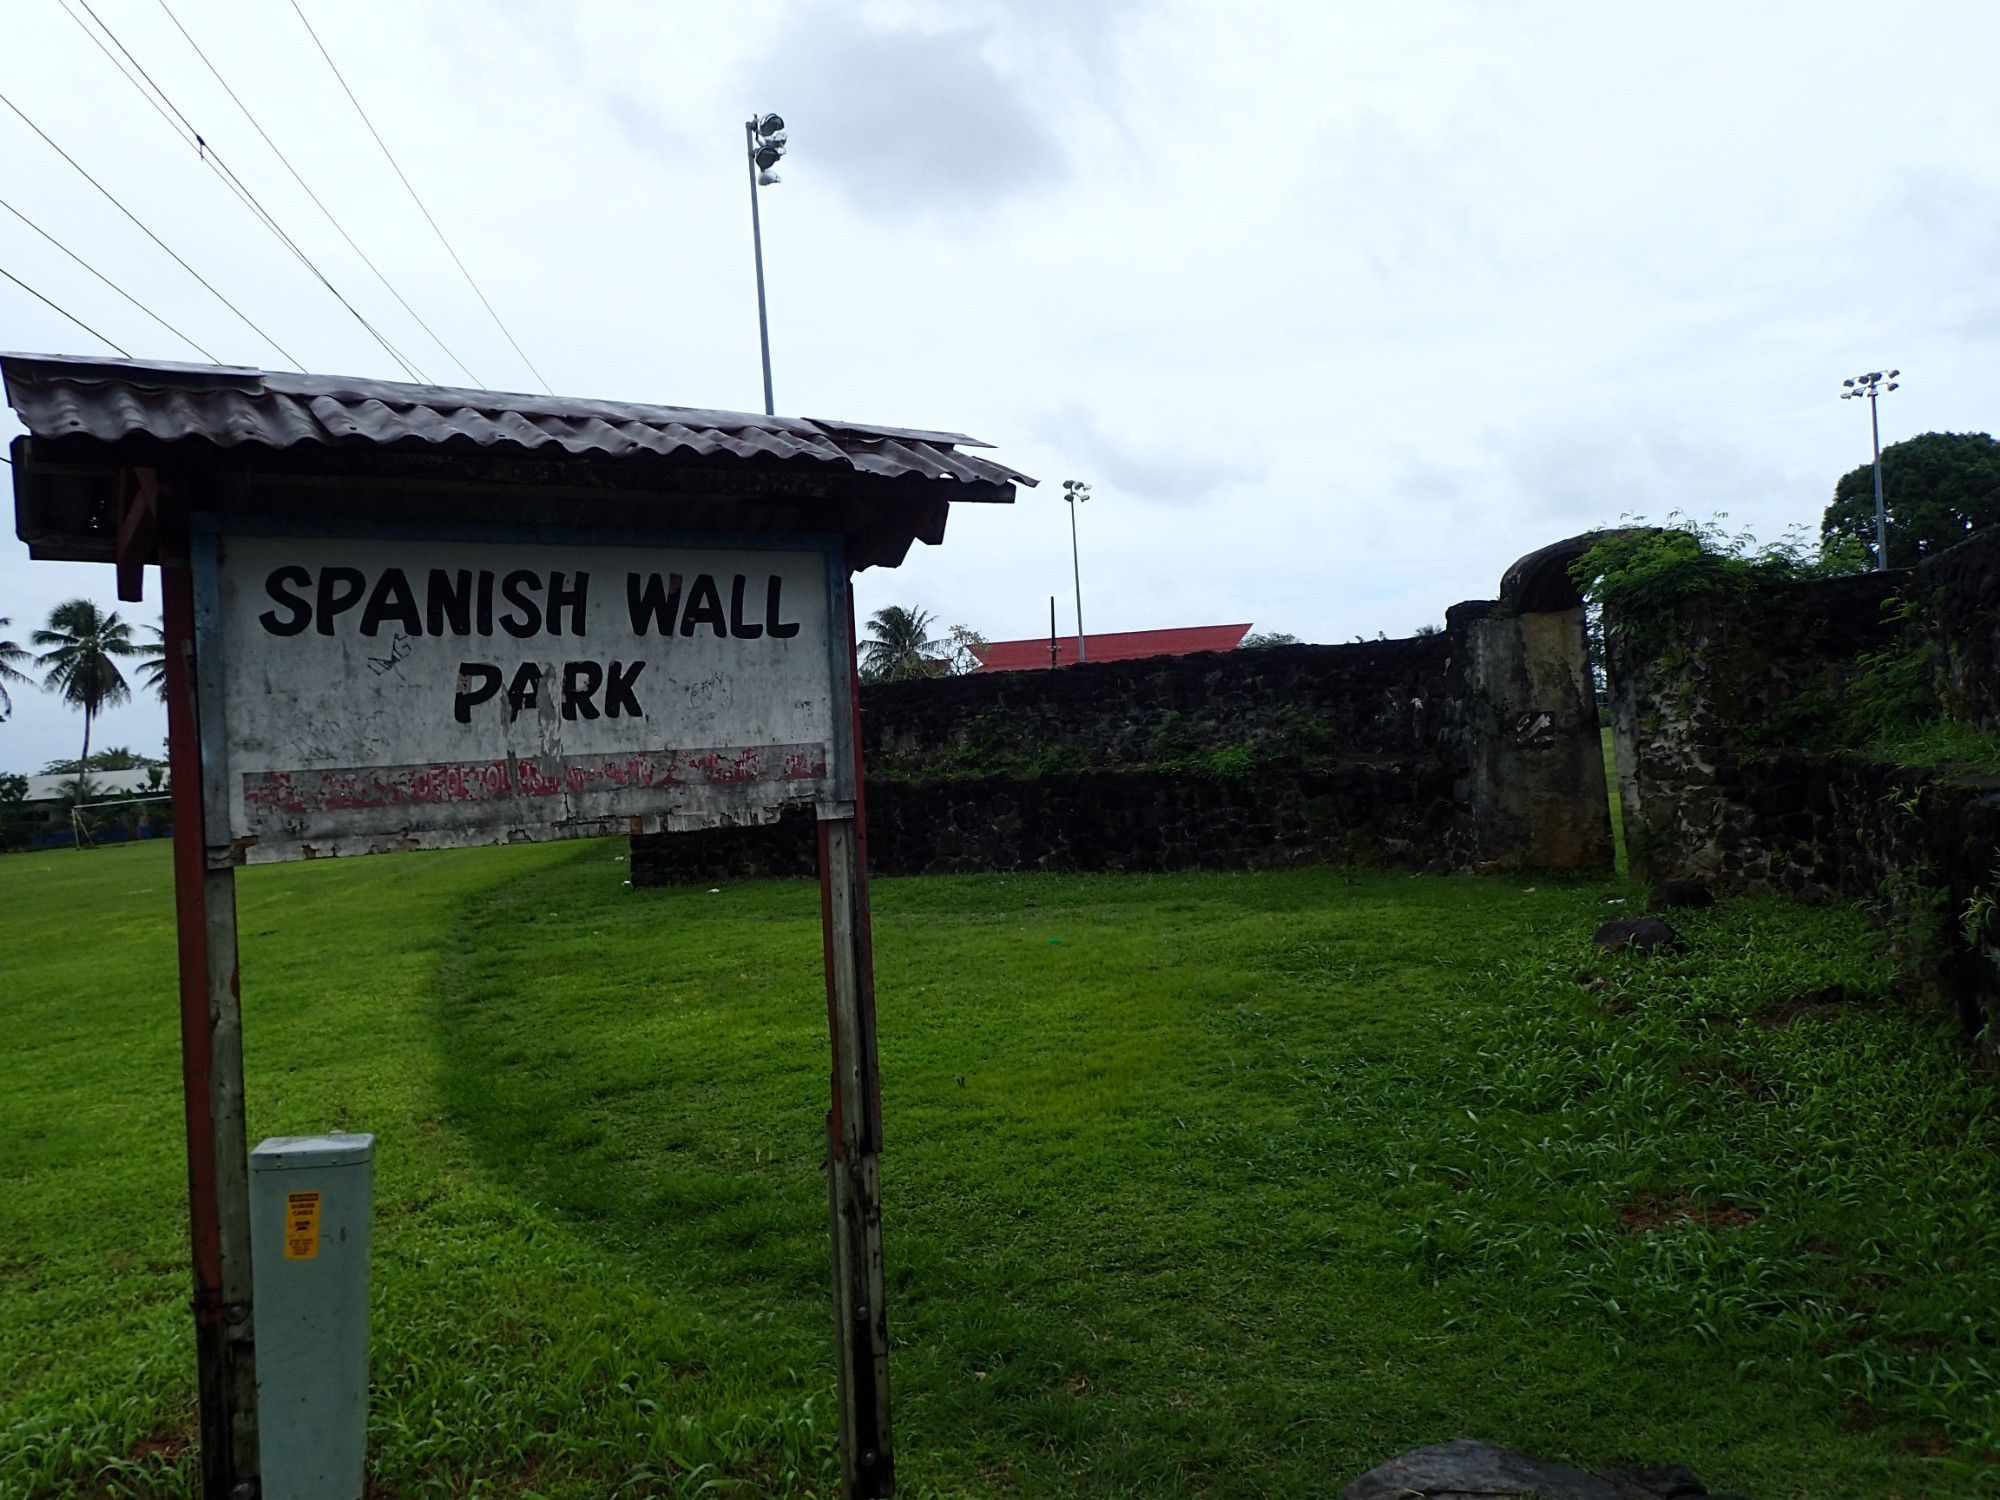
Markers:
point(1117, 645)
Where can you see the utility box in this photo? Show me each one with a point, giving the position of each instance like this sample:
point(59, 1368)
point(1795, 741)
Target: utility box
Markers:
point(311, 1202)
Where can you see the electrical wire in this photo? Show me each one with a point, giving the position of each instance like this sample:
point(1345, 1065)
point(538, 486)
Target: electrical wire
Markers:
point(211, 158)
point(413, 194)
point(61, 309)
point(108, 282)
point(113, 199)
point(387, 284)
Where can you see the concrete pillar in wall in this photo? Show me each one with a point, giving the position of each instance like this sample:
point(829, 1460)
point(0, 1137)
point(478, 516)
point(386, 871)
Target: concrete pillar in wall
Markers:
point(1537, 758)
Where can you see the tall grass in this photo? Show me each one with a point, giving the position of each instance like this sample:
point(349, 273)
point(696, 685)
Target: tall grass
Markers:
point(1212, 1184)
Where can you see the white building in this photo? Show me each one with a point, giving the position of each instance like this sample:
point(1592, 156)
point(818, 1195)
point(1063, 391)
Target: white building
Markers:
point(102, 784)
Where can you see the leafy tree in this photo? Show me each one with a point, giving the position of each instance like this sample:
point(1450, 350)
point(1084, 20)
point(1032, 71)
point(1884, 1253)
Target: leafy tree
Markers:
point(1937, 490)
point(1257, 640)
point(963, 646)
point(112, 758)
point(10, 653)
point(153, 663)
point(900, 647)
point(79, 659)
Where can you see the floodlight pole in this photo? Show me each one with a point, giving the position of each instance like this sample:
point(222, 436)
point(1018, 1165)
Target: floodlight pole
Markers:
point(1881, 513)
point(1075, 491)
point(757, 249)
point(1871, 386)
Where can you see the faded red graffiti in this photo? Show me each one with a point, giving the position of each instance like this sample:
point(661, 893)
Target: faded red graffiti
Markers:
point(272, 796)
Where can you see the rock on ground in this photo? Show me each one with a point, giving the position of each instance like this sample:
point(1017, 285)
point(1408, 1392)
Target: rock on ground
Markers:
point(1645, 933)
point(1466, 1469)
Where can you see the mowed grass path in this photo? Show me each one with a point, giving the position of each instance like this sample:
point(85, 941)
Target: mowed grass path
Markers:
point(1203, 1184)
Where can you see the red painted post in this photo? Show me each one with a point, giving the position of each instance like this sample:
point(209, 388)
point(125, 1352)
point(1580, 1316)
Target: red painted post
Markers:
point(854, 1140)
point(211, 1071)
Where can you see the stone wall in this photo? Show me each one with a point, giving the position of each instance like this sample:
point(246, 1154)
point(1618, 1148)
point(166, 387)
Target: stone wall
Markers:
point(1959, 592)
point(1698, 690)
point(1536, 760)
point(1382, 810)
point(1368, 698)
point(1723, 720)
point(1917, 842)
point(1472, 749)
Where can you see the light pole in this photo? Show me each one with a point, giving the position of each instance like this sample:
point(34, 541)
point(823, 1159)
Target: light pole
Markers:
point(1076, 492)
point(764, 147)
point(1871, 386)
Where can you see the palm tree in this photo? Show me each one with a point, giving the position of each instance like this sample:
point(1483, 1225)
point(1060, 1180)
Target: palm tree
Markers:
point(899, 645)
point(153, 662)
point(10, 652)
point(82, 642)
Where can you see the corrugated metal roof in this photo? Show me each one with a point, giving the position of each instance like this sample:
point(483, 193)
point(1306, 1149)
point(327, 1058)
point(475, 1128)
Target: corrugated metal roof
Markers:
point(226, 405)
point(1117, 645)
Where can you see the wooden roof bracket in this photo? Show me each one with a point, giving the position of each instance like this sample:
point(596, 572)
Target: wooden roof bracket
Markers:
point(138, 530)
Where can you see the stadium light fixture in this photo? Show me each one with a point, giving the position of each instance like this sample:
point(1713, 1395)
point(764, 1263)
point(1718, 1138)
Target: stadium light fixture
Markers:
point(1075, 491)
point(764, 142)
point(1872, 386)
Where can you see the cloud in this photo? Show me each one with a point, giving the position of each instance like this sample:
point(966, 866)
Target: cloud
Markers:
point(908, 123)
point(1144, 465)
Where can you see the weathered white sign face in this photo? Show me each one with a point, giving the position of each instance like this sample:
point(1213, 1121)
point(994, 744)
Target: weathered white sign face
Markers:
point(385, 694)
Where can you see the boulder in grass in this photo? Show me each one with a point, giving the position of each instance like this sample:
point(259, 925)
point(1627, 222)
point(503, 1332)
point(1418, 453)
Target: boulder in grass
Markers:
point(1469, 1470)
point(1642, 933)
point(1669, 894)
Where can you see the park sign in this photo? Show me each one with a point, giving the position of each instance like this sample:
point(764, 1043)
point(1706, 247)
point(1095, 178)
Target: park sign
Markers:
point(402, 617)
point(402, 693)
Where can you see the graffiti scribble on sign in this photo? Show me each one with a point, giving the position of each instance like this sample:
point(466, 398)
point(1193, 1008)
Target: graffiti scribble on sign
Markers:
point(399, 648)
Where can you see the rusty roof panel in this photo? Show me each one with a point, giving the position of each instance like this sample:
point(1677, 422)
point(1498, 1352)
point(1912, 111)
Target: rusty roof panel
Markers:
point(229, 406)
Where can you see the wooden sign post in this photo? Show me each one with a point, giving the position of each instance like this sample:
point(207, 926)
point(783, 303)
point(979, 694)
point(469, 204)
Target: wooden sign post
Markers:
point(355, 693)
point(404, 617)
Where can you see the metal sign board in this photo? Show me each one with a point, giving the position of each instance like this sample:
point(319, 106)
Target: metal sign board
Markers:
point(382, 694)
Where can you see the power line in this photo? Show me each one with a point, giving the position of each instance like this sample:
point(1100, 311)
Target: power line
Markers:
point(245, 317)
point(108, 282)
point(413, 194)
point(212, 159)
point(435, 338)
point(61, 309)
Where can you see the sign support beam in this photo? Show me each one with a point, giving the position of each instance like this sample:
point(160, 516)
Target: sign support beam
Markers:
point(211, 1072)
point(854, 1143)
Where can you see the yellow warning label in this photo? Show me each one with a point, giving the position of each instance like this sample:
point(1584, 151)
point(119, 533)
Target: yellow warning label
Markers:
point(301, 1226)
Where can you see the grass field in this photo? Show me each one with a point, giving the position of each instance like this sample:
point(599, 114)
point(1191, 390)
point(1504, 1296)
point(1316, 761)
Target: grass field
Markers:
point(1195, 1185)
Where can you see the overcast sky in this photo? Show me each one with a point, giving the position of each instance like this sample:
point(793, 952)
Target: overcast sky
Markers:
point(1339, 307)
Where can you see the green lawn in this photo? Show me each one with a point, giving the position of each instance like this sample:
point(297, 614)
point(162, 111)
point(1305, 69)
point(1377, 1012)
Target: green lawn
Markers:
point(1195, 1185)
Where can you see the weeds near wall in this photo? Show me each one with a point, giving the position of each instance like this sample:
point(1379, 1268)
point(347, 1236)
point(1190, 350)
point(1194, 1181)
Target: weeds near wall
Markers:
point(1915, 911)
point(1640, 570)
point(1886, 708)
point(1638, 582)
point(1892, 711)
point(1976, 917)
